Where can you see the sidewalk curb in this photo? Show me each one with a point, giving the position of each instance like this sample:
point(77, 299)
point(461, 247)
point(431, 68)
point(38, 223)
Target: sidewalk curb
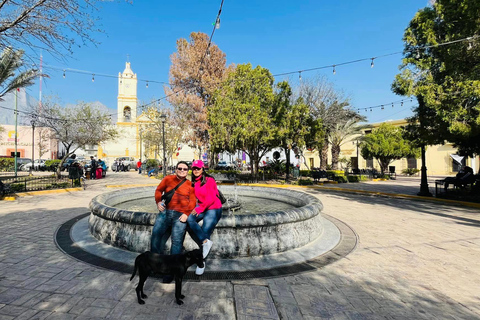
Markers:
point(33, 193)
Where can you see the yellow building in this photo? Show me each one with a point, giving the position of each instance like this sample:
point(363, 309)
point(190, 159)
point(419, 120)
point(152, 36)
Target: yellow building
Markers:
point(440, 159)
point(129, 125)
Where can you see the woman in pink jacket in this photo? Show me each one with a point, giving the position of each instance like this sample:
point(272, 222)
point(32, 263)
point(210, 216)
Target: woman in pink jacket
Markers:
point(208, 209)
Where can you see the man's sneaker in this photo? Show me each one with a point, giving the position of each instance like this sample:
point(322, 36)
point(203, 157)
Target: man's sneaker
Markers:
point(199, 270)
point(206, 248)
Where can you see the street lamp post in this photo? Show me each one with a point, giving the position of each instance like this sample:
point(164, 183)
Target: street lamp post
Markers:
point(33, 145)
point(163, 118)
point(141, 132)
point(206, 145)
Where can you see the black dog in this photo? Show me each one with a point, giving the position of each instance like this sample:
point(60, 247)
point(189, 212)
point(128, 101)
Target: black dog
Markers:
point(176, 265)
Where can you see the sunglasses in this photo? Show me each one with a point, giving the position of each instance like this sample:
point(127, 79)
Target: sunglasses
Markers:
point(196, 168)
point(182, 169)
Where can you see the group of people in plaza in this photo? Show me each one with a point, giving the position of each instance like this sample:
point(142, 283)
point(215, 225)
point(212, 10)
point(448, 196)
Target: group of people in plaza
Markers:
point(192, 201)
point(120, 165)
point(98, 168)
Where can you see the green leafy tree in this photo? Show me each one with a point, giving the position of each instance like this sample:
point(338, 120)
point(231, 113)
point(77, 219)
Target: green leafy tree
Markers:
point(75, 126)
point(445, 79)
point(10, 77)
point(291, 119)
point(240, 116)
point(386, 143)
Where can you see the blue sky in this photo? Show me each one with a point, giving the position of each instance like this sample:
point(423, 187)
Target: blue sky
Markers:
point(279, 35)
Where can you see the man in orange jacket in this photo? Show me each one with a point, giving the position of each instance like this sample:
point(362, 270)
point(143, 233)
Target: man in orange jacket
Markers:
point(176, 212)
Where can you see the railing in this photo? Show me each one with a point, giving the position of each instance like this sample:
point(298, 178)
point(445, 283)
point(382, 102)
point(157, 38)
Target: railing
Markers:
point(27, 183)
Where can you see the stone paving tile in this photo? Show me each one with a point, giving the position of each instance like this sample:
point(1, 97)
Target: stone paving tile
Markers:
point(414, 260)
point(254, 302)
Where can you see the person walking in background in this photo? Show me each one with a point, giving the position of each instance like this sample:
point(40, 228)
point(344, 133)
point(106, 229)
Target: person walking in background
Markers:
point(93, 167)
point(173, 214)
point(103, 166)
point(208, 209)
point(139, 166)
point(116, 165)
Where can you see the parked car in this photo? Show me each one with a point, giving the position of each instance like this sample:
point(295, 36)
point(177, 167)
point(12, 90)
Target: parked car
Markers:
point(68, 162)
point(22, 161)
point(224, 165)
point(128, 163)
point(38, 165)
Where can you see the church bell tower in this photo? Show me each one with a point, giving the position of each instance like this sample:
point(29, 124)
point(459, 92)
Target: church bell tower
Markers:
point(127, 96)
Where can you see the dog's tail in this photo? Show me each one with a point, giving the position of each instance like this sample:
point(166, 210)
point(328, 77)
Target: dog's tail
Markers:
point(135, 268)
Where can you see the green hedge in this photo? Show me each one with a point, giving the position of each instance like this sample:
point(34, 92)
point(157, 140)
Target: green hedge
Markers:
point(357, 178)
point(410, 171)
point(7, 164)
point(305, 182)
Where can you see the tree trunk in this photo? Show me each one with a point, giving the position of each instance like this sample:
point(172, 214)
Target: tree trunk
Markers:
point(335, 155)
point(324, 155)
point(287, 170)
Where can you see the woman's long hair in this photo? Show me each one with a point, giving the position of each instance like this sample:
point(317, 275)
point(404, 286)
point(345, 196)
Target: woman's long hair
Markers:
point(203, 178)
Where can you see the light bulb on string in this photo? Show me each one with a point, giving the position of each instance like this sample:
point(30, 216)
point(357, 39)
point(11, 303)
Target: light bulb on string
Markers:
point(470, 45)
point(63, 73)
point(334, 71)
point(401, 104)
point(370, 109)
point(146, 85)
point(392, 104)
point(411, 99)
point(93, 77)
point(300, 75)
point(121, 79)
point(382, 107)
point(372, 64)
point(217, 23)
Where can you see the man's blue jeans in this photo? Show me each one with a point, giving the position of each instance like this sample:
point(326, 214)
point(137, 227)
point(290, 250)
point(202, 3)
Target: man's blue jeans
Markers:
point(210, 219)
point(167, 220)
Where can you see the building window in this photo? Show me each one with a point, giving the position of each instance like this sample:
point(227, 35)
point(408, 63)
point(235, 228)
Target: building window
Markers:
point(370, 163)
point(127, 114)
point(411, 163)
point(354, 162)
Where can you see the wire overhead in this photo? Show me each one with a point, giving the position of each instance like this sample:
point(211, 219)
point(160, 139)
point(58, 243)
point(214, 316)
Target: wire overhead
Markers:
point(216, 26)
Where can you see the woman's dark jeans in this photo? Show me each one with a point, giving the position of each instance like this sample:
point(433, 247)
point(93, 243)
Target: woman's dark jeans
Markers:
point(161, 230)
point(210, 219)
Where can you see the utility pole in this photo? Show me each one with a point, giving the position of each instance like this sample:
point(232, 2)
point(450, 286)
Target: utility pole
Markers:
point(33, 146)
point(16, 134)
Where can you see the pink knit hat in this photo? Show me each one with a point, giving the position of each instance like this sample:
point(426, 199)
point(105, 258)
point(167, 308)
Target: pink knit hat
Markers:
point(198, 164)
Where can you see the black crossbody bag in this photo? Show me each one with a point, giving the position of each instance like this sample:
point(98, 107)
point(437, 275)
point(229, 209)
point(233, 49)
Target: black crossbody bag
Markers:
point(167, 196)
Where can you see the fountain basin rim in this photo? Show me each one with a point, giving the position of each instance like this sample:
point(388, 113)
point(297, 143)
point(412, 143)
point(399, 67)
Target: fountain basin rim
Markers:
point(312, 206)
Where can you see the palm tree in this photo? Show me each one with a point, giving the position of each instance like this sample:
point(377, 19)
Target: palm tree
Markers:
point(339, 133)
point(10, 62)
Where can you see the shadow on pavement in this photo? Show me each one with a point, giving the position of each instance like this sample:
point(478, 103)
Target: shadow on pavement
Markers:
point(420, 206)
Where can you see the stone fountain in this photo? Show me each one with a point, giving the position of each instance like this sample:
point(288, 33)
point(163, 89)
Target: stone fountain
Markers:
point(250, 234)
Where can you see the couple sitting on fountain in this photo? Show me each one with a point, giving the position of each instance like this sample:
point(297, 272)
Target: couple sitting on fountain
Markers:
point(192, 201)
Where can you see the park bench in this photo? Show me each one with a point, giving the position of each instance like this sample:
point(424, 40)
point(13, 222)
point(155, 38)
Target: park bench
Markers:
point(468, 182)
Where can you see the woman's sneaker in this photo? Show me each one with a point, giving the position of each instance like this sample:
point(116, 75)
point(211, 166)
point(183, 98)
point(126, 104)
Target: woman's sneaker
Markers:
point(199, 270)
point(206, 248)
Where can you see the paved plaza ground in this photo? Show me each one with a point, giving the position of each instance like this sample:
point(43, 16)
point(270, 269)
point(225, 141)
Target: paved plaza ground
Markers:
point(414, 260)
